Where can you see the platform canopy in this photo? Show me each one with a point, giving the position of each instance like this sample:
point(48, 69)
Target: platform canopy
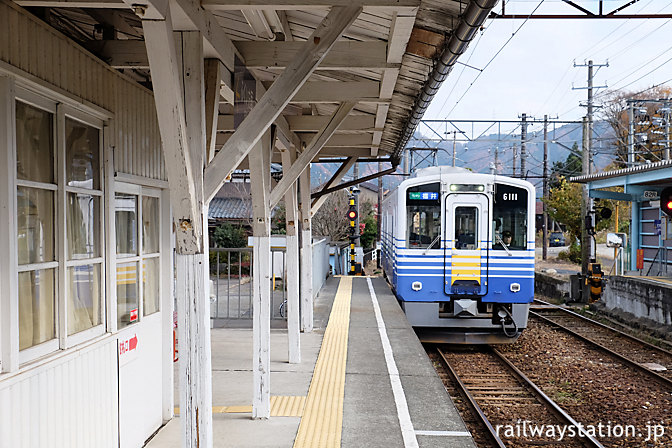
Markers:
point(387, 56)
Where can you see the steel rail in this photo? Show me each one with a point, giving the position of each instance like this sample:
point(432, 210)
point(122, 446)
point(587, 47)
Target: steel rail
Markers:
point(606, 327)
point(541, 396)
point(587, 438)
point(634, 364)
point(471, 401)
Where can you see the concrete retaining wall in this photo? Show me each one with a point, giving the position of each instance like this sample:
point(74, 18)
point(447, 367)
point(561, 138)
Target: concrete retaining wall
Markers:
point(640, 297)
point(551, 286)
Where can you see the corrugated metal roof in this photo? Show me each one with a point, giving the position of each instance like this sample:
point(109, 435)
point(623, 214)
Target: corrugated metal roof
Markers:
point(622, 172)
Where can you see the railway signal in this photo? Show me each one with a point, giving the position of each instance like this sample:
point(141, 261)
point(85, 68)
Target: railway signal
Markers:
point(666, 201)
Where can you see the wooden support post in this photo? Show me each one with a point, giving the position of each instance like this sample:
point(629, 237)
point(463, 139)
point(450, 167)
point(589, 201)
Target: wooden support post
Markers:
point(292, 261)
point(306, 253)
point(260, 180)
point(307, 59)
point(176, 62)
point(212, 87)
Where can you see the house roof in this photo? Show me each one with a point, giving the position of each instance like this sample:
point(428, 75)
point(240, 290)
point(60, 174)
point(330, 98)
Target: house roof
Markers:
point(230, 208)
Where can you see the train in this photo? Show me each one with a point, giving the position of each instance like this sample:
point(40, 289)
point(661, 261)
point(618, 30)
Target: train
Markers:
point(457, 249)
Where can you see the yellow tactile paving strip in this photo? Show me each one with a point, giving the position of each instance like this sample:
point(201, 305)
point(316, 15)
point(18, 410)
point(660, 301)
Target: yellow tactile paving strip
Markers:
point(655, 279)
point(281, 406)
point(322, 420)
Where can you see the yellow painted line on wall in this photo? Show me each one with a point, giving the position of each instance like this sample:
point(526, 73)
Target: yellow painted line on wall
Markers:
point(466, 265)
point(322, 420)
point(655, 279)
point(281, 406)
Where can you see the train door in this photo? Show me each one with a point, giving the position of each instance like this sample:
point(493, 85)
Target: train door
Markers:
point(467, 235)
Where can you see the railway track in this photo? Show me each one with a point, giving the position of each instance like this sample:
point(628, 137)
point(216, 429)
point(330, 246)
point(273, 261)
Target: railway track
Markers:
point(504, 402)
point(653, 361)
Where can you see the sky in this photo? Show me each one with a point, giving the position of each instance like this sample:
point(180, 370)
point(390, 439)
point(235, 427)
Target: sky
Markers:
point(534, 72)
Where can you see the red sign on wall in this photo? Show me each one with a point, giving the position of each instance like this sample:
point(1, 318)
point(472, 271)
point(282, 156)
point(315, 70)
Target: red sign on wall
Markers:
point(134, 315)
point(128, 345)
point(640, 258)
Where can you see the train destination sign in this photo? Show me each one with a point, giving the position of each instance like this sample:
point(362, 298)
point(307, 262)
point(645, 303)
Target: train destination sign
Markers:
point(423, 195)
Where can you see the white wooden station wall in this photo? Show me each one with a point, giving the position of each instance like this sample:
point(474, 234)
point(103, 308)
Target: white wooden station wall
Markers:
point(93, 394)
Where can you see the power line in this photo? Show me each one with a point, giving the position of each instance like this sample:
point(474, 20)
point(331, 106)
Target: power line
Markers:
point(493, 58)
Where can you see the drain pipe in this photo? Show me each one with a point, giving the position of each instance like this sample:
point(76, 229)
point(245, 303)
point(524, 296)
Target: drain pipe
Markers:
point(471, 20)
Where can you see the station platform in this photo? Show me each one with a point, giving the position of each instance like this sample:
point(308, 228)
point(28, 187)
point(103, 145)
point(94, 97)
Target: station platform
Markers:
point(364, 380)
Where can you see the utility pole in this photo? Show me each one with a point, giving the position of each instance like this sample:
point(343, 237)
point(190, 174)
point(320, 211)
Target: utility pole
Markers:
point(523, 146)
point(589, 105)
point(454, 145)
point(586, 206)
point(515, 157)
point(544, 229)
point(666, 107)
point(496, 159)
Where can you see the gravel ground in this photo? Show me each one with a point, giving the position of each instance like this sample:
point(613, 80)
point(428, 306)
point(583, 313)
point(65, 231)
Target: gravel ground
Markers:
point(594, 388)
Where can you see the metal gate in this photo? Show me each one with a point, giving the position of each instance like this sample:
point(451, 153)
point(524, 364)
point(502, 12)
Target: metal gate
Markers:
point(231, 285)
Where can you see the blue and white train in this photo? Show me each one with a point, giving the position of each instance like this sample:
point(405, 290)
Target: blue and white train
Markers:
point(458, 251)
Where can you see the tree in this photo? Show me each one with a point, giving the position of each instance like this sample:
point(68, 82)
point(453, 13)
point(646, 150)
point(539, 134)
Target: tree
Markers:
point(227, 235)
point(370, 232)
point(332, 218)
point(572, 166)
point(565, 209)
point(647, 118)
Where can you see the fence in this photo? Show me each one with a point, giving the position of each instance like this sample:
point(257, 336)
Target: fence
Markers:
point(231, 282)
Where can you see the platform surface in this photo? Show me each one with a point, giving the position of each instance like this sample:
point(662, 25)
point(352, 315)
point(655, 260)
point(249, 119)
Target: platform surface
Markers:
point(346, 391)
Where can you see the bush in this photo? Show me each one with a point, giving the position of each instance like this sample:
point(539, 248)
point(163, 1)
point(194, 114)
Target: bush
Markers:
point(227, 235)
point(573, 253)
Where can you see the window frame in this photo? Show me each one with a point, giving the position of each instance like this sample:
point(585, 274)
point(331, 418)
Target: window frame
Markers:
point(60, 112)
point(139, 191)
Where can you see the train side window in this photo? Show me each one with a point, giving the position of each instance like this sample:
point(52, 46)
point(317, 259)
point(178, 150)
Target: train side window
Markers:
point(423, 217)
point(466, 228)
point(509, 216)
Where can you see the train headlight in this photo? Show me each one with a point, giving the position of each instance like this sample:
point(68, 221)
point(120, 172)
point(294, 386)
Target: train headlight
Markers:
point(416, 286)
point(515, 287)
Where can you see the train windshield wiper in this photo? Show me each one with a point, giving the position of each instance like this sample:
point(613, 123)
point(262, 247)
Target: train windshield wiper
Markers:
point(432, 244)
point(499, 240)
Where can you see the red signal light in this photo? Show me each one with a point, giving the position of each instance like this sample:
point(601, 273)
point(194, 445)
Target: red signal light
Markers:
point(666, 201)
point(669, 205)
point(352, 214)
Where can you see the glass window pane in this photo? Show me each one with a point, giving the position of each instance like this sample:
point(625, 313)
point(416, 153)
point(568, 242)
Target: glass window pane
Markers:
point(34, 144)
point(509, 218)
point(37, 319)
point(466, 234)
point(126, 215)
point(423, 216)
point(150, 286)
point(82, 155)
point(127, 294)
point(35, 225)
point(84, 300)
point(83, 223)
point(150, 225)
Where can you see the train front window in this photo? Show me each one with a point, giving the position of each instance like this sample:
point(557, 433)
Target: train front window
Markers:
point(509, 218)
point(423, 216)
point(466, 225)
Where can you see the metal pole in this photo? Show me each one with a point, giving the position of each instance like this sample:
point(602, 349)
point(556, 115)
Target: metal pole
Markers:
point(616, 248)
point(454, 145)
point(380, 199)
point(544, 228)
point(515, 157)
point(585, 204)
point(631, 134)
point(590, 113)
point(496, 159)
point(666, 105)
point(523, 146)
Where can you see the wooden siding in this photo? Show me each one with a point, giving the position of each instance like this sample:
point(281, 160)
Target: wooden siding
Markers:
point(40, 407)
point(29, 45)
